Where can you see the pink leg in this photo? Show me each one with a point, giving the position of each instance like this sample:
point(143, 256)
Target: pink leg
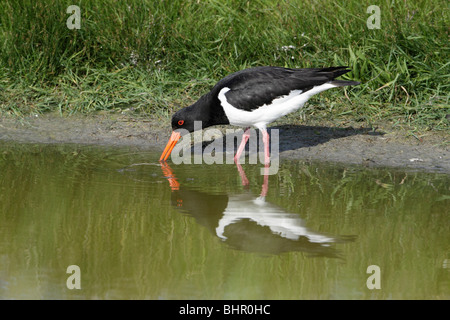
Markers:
point(241, 148)
point(266, 145)
point(244, 179)
point(265, 186)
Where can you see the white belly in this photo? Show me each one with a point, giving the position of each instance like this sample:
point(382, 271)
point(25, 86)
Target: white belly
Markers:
point(269, 112)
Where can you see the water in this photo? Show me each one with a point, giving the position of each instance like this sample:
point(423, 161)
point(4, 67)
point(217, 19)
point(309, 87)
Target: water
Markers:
point(138, 230)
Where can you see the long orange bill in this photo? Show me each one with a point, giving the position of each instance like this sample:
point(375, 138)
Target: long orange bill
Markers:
point(170, 145)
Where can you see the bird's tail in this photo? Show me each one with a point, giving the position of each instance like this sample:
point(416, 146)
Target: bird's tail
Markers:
point(334, 72)
point(343, 83)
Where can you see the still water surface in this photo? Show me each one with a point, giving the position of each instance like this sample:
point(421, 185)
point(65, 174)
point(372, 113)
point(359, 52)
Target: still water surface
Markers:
point(139, 230)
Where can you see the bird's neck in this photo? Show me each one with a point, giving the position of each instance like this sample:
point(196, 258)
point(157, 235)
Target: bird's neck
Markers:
point(209, 111)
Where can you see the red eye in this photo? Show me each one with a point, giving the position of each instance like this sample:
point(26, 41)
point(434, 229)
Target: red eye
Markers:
point(180, 122)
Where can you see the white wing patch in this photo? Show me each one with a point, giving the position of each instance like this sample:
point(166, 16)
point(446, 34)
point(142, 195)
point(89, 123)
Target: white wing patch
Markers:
point(267, 113)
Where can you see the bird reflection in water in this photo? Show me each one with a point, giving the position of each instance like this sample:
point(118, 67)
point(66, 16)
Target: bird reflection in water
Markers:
point(250, 223)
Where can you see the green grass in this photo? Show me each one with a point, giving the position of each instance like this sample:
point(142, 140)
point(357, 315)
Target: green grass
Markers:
point(154, 57)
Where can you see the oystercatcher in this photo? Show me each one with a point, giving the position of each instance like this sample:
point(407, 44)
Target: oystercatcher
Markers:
point(255, 97)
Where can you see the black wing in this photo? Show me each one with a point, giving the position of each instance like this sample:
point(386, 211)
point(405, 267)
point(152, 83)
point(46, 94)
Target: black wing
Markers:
point(254, 87)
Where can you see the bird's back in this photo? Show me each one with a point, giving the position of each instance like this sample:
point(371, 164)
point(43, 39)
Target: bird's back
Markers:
point(254, 87)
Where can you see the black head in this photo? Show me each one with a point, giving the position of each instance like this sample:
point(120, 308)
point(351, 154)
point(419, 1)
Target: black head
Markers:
point(184, 119)
point(207, 110)
point(204, 113)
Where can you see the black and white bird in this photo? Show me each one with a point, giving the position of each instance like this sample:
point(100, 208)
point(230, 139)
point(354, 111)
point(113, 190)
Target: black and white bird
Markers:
point(255, 97)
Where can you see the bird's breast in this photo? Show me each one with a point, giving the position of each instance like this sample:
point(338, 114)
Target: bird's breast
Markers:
point(264, 114)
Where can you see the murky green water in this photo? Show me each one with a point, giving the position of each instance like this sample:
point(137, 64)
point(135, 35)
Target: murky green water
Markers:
point(141, 231)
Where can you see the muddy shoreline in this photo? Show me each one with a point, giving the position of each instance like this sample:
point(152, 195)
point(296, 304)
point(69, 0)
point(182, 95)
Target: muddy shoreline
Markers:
point(345, 145)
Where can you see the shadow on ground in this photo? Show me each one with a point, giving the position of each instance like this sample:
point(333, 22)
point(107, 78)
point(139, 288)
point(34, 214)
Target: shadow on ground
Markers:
point(293, 137)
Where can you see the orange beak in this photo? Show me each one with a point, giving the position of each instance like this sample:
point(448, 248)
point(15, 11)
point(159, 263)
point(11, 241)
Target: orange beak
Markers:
point(170, 145)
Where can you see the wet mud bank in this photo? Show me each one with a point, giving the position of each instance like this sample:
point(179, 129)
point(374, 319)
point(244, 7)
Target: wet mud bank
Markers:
point(345, 145)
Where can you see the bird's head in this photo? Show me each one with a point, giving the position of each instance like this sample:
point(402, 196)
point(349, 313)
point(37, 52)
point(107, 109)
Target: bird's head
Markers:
point(183, 119)
point(183, 122)
point(202, 114)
